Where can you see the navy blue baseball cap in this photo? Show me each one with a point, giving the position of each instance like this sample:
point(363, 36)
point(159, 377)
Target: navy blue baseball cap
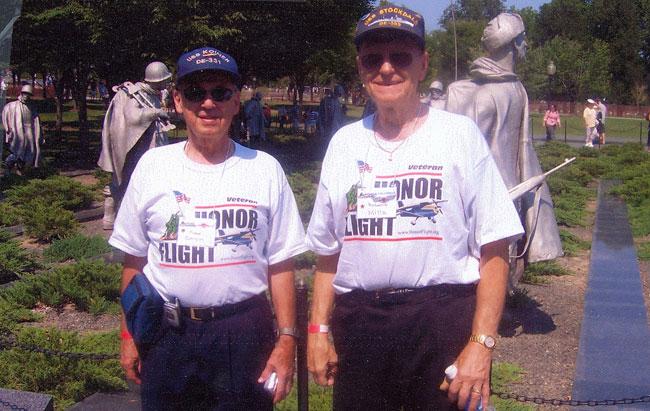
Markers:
point(390, 19)
point(206, 59)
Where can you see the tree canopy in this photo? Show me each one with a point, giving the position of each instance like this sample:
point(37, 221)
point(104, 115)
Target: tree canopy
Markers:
point(600, 48)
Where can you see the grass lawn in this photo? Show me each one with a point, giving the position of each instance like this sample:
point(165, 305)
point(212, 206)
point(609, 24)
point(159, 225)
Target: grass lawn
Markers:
point(618, 129)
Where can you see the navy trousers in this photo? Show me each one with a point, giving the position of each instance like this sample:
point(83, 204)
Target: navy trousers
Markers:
point(210, 365)
point(393, 349)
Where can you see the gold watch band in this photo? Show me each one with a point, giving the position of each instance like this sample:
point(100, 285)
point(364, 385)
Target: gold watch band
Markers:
point(486, 341)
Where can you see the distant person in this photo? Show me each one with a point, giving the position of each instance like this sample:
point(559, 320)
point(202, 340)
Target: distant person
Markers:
point(590, 121)
point(311, 122)
point(330, 113)
point(601, 116)
point(3, 88)
point(283, 117)
point(551, 121)
point(134, 123)
point(103, 93)
point(254, 113)
point(22, 132)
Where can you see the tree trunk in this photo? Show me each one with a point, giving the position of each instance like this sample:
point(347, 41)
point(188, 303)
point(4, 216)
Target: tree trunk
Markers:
point(59, 87)
point(82, 109)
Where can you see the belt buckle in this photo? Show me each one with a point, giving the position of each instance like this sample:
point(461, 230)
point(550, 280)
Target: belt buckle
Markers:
point(193, 315)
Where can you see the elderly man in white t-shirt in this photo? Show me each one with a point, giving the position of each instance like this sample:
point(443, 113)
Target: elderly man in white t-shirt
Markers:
point(412, 224)
point(212, 226)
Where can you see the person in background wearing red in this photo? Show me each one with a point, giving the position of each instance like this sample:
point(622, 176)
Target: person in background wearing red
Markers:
point(551, 121)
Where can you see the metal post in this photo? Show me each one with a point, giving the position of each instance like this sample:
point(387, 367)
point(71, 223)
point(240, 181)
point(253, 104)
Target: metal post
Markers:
point(301, 324)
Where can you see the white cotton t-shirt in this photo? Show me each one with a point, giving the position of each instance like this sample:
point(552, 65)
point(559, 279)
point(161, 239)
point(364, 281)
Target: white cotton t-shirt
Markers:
point(437, 202)
point(209, 232)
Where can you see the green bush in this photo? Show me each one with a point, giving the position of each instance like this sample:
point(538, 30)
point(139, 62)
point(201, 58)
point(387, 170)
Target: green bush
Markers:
point(68, 380)
point(56, 191)
point(76, 247)
point(320, 399)
point(504, 373)
point(535, 272)
point(15, 261)
point(9, 215)
point(644, 251)
point(639, 217)
point(91, 285)
point(304, 185)
point(571, 244)
point(46, 222)
point(305, 260)
point(103, 177)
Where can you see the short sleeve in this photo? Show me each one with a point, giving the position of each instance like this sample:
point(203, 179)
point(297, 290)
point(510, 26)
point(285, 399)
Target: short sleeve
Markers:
point(286, 232)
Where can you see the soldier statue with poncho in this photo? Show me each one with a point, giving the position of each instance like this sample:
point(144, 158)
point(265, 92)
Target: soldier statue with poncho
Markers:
point(134, 123)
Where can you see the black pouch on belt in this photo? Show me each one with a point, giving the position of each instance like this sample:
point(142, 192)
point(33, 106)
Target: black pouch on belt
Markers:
point(143, 309)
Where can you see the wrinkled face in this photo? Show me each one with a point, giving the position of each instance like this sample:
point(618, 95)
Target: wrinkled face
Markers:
point(207, 118)
point(391, 70)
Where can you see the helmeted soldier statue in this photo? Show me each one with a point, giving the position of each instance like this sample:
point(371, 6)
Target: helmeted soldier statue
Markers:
point(134, 123)
point(496, 100)
point(436, 93)
point(22, 132)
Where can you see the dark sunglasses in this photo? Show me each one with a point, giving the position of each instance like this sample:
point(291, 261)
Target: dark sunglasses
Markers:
point(196, 94)
point(399, 60)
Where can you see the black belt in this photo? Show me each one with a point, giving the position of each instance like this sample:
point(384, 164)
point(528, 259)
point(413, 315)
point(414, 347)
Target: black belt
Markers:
point(221, 311)
point(400, 295)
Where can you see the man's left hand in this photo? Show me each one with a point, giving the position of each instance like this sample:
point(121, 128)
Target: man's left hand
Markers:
point(282, 362)
point(472, 382)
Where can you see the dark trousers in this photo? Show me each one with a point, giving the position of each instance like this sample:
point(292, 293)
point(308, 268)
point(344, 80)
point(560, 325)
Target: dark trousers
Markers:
point(210, 365)
point(393, 350)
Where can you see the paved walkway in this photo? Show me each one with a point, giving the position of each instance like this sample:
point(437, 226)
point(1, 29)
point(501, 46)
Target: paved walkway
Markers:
point(614, 353)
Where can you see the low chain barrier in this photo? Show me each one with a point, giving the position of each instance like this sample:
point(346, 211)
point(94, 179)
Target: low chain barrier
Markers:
point(9, 341)
point(573, 403)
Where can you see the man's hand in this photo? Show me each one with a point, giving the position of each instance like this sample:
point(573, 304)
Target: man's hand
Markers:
point(130, 360)
point(322, 360)
point(472, 382)
point(281, 361)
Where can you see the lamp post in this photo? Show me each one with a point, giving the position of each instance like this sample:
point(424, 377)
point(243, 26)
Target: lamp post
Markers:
point(550, 70)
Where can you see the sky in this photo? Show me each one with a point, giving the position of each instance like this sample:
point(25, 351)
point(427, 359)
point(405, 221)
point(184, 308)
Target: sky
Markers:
point(432, 9)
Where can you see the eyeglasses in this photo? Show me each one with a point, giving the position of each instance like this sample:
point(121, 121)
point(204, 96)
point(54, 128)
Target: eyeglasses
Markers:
point(399, 60)
point(196, 94)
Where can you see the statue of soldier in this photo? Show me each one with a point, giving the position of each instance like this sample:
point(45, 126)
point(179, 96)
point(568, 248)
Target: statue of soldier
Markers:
point(134, 123)
point(436, 93)
point(22, 132)
point(496, 100)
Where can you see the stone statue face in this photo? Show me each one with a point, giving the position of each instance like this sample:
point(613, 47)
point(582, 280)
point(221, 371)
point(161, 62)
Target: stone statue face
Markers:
point(159, 85)
point(501, 31)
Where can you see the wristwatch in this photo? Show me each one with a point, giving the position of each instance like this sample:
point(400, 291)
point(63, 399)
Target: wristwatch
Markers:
point(485, 340)
point(291, 331)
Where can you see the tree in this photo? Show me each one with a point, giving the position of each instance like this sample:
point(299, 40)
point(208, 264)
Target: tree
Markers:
point(472, 10)
point(581, 71)
point(566, 18)
point(441, 49)
point(618, 22)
